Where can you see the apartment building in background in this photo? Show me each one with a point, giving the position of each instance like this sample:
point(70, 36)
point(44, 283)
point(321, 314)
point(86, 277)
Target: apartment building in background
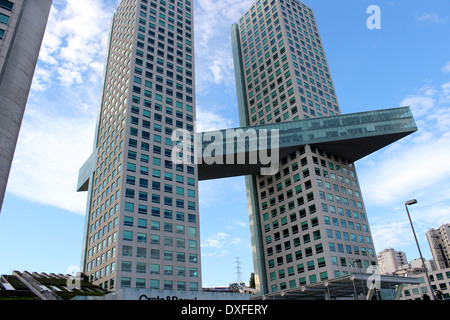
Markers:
point(438, 270)
point(22, 26)
point(439, 241)
point(142, 225)
point(390, 260)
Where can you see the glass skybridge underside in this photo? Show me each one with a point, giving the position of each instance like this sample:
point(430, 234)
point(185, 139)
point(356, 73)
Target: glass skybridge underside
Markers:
point(349, 136)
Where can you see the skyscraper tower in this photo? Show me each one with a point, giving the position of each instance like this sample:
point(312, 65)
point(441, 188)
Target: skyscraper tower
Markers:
point(142, 226)
point(22, 26)
point(308, 221)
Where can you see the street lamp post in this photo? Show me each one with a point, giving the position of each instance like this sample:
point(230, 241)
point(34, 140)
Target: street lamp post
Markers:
point(408, 203)
point(359, 264)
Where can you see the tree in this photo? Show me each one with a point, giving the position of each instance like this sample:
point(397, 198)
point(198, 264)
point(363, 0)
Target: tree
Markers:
point(252, 283)
point(236, 287)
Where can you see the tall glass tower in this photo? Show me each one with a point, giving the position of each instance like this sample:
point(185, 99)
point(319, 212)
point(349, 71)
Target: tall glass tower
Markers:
point(308, 221)
point(142, 225)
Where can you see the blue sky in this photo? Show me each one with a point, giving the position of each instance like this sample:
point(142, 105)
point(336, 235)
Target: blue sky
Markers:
point(406, 62)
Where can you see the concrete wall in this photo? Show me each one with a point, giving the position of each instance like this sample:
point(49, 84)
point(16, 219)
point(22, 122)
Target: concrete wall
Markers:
point(27, 26)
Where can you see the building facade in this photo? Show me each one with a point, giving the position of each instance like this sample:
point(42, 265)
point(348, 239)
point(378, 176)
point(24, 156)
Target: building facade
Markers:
point(439, 241)
point(142, 226)
point(22, 26)
point(438, 270)
point(308, 221)
point(440, 285)
point(390, 260)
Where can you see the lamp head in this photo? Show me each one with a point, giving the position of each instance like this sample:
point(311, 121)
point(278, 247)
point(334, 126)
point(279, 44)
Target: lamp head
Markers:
point(410, 202)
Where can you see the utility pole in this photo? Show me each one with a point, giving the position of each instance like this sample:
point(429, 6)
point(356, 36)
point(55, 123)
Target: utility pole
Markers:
point(238, 270)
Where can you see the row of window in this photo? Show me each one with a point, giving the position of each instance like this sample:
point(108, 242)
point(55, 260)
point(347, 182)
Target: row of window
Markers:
point(126, 282)
point(171, 256)
point(309, 267)
point(141, 237)
point(4, 19)
point(6, 4)
point(157, 173)
point(339, 247)
point(299, 269)
point(302, 281)
point(156, 185)
point(155, 269)
point(310, 251)
point(344, 224)
point(156, 225)
point(153, 283)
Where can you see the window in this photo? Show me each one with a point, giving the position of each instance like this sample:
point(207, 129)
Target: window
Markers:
point(128, 221)
point(127, 235)
point(127, 251)
point(129, 206)
point(140, 283)
point(3, 19)
point(8, 5)
point(141, 237)
point(125, 282)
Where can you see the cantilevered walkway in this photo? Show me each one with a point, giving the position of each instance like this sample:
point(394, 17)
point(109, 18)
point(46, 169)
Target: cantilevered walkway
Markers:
point(349, 136)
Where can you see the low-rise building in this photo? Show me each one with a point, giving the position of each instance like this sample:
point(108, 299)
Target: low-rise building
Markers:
point(42, 286)
point(440, 285)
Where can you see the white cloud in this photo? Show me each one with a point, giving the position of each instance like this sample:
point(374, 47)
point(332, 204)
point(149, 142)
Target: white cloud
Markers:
point(209, 120)
point(41, 78)
point(446, 89)
point(431, 17)
point(47, 159)
point(58, 127)
point(422, 102)
point(414, 167)
point(446, 67)
point(416, 163)
point(221, 244)
point(69, 77)
point(391, 234)
point(393, 229)
point(221, 68)
point(216, 241)
point(212, 15)
point(213, 19)
point(74, 43)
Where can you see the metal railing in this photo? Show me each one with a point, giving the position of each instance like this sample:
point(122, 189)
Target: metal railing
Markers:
point(43, 294)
